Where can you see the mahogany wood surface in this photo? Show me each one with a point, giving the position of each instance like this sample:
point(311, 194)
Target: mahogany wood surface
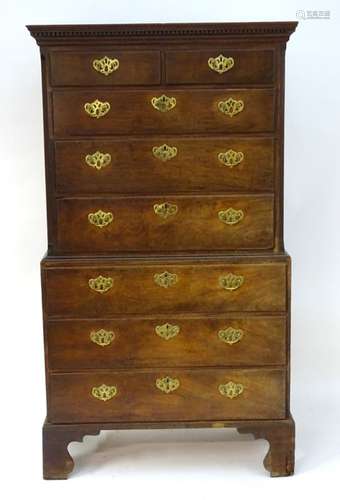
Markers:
point(280, 434)
point(134, 290)
point(136, 226)
point(136, 342)
point(252, 66)
point(195, 168)
point(170, 59)
point(76, 68)
point(280, 458)
point(138, 399)
point(131, 112)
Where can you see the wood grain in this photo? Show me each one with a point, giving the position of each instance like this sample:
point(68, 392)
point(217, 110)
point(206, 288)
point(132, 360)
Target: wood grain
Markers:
point(250, 66)
point(280, 459)
point(75, 68)
point(136, 226)
point(166, 59)
point(131, 112)
point(280, 434)
point(134, 289)
point(138, 399)
point(134, 168)
point(136, 343)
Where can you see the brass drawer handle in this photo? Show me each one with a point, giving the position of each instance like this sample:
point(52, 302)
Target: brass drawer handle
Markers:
point(98, 160)
point(230, 158)
point(231, 216)
point(231, 107)
point(105, 65)
point(165, 210)
point(104, 392)
point(220, 64)
point(231, 389)
point(100, 284)
point(167, 384)
point(165, 279)
point(230, 335)
point(100, 218)
point(231, 282)
point(97, 109)
point(167, 331)
point(164, 152)
point(102, 337)
point(163, 103)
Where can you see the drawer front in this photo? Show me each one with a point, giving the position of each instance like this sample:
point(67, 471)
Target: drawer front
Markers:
point(171, 164)
point(222, 65)
point(167, 394)
point(165, 341)
point(147, 288)
point(133, 112)
point(165, 223)
point(105, 68)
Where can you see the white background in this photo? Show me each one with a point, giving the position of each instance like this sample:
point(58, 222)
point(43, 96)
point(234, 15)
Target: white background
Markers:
point(198, 464)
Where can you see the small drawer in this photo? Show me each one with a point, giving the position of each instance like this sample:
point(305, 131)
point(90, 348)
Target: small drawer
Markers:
point(166, 341)
point(165, 223)
point(104, 67)
point(220, 65)
point(103, 112)
point(171, 164)
point(166, 395)
point(90, 290)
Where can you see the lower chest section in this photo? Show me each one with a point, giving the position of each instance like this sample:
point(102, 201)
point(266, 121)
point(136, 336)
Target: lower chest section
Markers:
point(166, 340)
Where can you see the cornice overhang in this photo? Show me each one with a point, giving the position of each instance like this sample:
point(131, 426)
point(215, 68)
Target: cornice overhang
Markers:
point(106, 33)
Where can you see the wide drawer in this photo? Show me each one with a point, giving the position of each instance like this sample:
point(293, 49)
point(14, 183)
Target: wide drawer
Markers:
point(171, 164)
point(156, 288)
point(105, 68)
point(167, 394)
point(220, 65)
point(134, 112)
point(172, 223)
point(166, 341)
